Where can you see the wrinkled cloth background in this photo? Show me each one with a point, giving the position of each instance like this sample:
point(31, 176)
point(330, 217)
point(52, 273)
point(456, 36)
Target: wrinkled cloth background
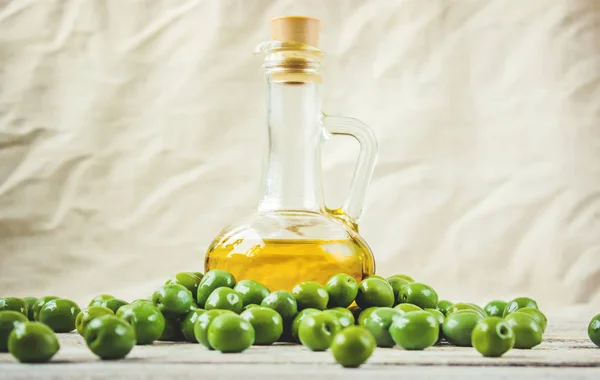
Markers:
point(132, 131)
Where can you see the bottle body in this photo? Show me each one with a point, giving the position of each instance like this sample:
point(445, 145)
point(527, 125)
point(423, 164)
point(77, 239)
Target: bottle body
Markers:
point(283, 248)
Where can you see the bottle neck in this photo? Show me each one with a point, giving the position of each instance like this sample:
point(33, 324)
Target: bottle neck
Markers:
point(292, 171)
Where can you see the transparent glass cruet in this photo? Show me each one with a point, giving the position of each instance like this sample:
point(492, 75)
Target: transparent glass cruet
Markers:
point(293, 236)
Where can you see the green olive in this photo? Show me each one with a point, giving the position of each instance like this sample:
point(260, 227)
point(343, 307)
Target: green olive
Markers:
point(528, 333)
point(459, 326)
point(493, 337)
point(519, 303)
point(495, 308)
point(418, 294)
point(415, 330)
point(374, 292)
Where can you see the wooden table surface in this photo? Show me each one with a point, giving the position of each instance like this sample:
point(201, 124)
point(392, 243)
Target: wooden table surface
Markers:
point(566, 353)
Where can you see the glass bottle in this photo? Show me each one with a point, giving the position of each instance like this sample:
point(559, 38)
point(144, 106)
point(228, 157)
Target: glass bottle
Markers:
point(293, 236)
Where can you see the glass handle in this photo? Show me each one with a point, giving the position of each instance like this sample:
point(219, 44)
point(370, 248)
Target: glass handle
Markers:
point(352, 208)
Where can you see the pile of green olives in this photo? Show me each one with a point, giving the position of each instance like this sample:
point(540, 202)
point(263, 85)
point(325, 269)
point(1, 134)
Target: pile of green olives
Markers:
point(346, 317)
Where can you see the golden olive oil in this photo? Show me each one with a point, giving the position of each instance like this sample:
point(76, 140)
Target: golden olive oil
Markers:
point(281, 264)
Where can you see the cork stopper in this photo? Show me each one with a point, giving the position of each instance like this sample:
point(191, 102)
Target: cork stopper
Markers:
point(300, 29)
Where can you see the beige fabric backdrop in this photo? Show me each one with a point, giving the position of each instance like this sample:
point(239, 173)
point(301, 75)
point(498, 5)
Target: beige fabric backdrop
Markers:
point(131, 131)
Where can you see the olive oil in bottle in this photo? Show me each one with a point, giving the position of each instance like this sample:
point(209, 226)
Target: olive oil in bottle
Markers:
point(281, 264)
